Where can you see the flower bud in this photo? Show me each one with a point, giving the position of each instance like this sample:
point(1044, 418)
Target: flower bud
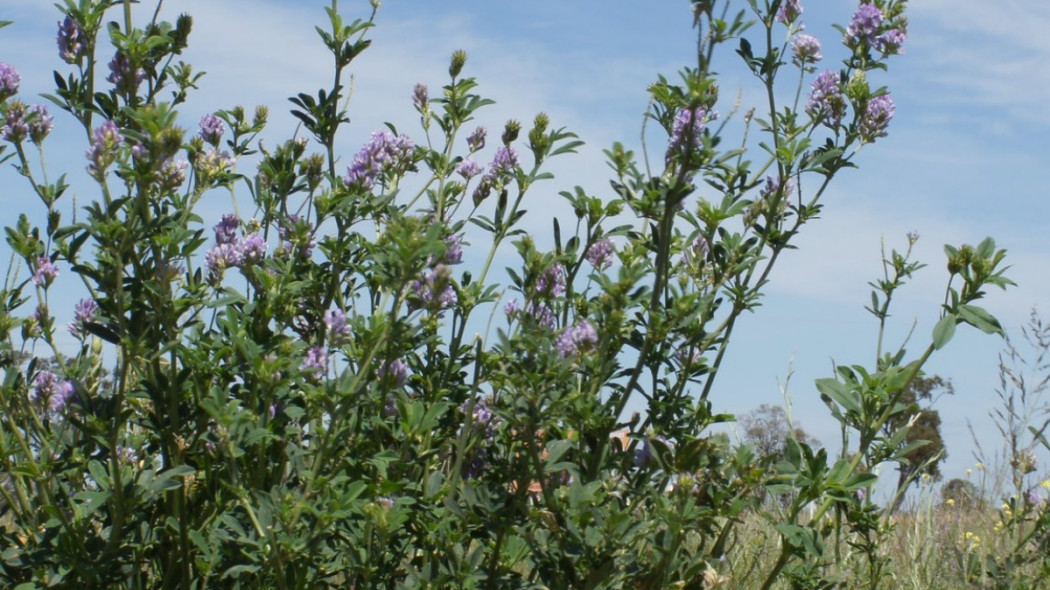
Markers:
point(510, 132)
point(459, 59)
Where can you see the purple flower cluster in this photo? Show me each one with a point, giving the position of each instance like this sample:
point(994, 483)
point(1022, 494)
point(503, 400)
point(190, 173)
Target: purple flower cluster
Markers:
point(551, 282)
point(172, 174)
point(503, 167)
point(468, 168)
point(891, 42)
point(476, 140)
point(40, 123)
point(72, 44)
point(688, 130)
point(806, 49)
point(777, 187)
point(231, 251)
point(789, 12)
point(122, 74)
point(392, 373)
point(383, 153)
point(211, 129)
point(877, 115)
point(864, 26)
point(697, 252)
point(435, 290)
point(49, 388)
point(541, 314)
point(505, 162)
point(420, 97)
point(84, 312)
point(104, 144)
point(9, 81)
point(688, 356)
point(45, 272)
point(315, 363)
point(335, 323)
point(296, 237)
point(20, 122)
point(453, 249)
point(577, 339)
point(826, 103)
point(214, 162)
point(481, 415)
point(644, 456)
point(600, 253)
point(16, 126)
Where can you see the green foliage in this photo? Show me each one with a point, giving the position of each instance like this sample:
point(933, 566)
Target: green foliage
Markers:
point(295, 401)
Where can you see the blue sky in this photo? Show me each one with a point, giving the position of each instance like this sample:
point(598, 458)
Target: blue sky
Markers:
point(963, 159)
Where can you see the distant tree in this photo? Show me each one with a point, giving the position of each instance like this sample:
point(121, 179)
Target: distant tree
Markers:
point(961, 493)
point(767, 429)
point(925, 426)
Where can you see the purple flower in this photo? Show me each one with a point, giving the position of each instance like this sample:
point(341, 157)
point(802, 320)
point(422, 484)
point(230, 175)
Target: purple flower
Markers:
point(172, 174)
point(806, 49)
point(877, 115)
point(55, 392)
point(315, 363)
point(226, 229)
point(126, 454)
point(9, 81)
point(891, 42)
point(392, 373)
point(223, 256)
point(505, 162)
point(435, 291)
point(211, 129)
point(72, 45)
point(697, 252)
point(577, 339)
point(600, 253)
point(481, 415)
point(511, 309)
point(789, 11)
point(253, 249)
point(453, 249)
point(864, 26)
point(778, 187)
point(335, 322)
point(826, 104)
point(644, 456)
point(420, 97)
point(45, 272)
point(468, 168)
point(551, 282)
point(384, 153)
point(688, 130)
point(476, 140)
point(104, 144)
point(139, 151)
point(543, 316)
point(214, 162)
point(16, 124)
point(122, 74)
point(83, 312)
point(296, 236)
point(688, 356)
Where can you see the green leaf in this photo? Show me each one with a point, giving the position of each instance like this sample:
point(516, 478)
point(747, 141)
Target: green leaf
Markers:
point(979, 318)
point(838, 391)
point(171, 479)
point(943, 331)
